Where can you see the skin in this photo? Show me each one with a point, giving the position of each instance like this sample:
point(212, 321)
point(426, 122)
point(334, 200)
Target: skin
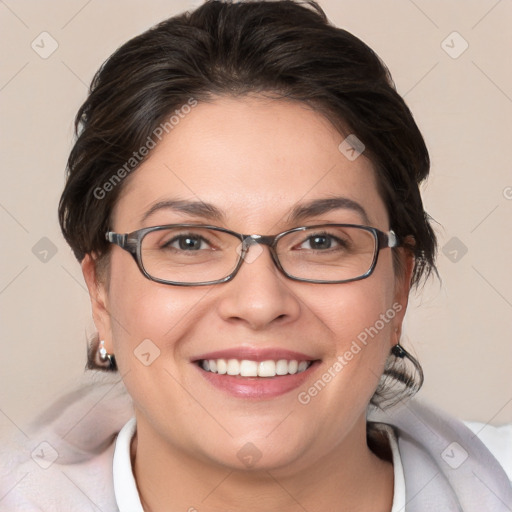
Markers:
point(254, 159)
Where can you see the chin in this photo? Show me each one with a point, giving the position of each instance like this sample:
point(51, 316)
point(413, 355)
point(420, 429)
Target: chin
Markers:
point(260, 451)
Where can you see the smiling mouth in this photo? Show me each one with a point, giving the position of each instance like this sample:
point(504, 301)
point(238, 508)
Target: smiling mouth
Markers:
point(250, 368)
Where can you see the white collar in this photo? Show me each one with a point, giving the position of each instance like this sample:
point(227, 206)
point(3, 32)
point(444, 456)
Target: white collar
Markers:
point(125, 488)
point(127, 495)
point(399, 491)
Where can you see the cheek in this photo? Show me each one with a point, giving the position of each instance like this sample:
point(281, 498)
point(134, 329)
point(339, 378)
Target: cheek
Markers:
point(360, 318)
point(150, 322)
point(361, 324)
point(358, 310)
point(144, 310)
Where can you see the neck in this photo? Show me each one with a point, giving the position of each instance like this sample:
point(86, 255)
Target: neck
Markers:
point(348, 478)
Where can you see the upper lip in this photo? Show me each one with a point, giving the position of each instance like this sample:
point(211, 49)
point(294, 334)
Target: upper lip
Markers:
point(256, 354)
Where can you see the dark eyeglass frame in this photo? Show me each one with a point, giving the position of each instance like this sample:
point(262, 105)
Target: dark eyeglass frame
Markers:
point(132, 243)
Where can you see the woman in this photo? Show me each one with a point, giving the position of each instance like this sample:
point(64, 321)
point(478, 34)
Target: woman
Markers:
point(243, 199)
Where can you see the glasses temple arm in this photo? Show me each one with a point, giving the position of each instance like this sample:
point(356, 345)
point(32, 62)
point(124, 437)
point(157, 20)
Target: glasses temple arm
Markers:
point(115, 238)
point(389, 239)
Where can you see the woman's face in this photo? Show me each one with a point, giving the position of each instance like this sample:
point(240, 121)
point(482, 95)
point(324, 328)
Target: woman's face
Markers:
point(255, 161)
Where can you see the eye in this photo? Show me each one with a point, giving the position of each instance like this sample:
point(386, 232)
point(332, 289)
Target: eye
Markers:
point(187, 242)
point(321, 241)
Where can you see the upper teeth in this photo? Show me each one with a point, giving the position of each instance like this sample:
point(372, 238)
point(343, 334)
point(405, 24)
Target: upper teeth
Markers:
point(248, 368)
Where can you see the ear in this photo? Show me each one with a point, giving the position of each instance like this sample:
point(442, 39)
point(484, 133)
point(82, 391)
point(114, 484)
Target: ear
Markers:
point(402, 289)
point(99, 301)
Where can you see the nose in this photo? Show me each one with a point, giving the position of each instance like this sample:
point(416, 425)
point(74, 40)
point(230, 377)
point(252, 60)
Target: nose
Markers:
point(259, 295)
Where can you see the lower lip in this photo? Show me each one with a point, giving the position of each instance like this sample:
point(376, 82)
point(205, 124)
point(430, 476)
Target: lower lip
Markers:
point(258, 387)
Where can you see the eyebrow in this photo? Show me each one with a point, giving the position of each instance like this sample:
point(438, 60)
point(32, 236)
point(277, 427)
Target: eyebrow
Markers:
point(298, 214)
point(321, 206)
point(192, 208)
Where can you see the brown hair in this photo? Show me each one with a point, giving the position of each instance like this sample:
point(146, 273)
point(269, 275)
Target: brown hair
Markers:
point(281, 48)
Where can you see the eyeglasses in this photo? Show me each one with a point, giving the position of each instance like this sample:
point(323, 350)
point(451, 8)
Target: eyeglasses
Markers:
point(198, 255)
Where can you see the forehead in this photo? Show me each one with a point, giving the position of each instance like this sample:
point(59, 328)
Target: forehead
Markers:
point(255, 159)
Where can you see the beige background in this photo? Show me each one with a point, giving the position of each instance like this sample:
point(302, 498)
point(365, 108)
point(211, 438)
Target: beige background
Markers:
point(460, 330)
